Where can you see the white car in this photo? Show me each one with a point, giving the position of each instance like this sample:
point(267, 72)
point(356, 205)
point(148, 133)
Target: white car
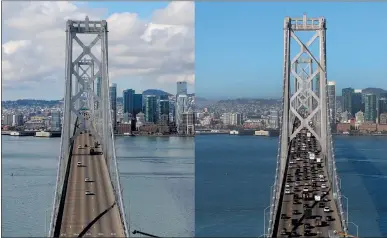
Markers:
point(305, 190)
point(321, 176)
point(287, 185)
point(297, 183)
point(323, 185)
point(79, 164)
point(326, 209)
point(321, 180)
point(87, 192)
point(79, 147)
point(291, 162)
point(287, 191)
point(87, 180)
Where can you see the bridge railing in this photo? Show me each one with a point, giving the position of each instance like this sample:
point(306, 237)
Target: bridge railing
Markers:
point(61, 171)
point(336, 189)
point(332, 171)
point(115, 176)
point(276, 188)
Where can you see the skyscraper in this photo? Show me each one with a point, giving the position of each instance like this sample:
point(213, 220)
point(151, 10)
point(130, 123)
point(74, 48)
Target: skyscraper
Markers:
point(370, 107)
point(99, 82)
point(164, 108)
point(356, 102)
point(128, 98)
point(137, 105)
point(181, 88)
point(332, 101)
point(113, 103)
point(56, 121)
point(181, 107)
point(347, 99)
point(151, 109)
point(382, 107)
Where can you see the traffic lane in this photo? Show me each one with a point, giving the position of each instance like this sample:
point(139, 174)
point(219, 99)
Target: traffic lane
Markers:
point(113, 219)
point(92, 204)
point(70, 215)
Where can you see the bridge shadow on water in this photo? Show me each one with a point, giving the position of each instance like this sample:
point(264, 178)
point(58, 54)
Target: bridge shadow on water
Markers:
point(373, 181)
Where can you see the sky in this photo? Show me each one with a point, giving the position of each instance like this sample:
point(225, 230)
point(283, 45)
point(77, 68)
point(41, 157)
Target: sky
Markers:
point(239, 46)
point(151, 45)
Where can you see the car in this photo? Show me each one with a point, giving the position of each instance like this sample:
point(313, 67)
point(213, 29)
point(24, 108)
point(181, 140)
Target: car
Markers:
point(287, 191)
point(321, 205)
point(85, 145)
point(305, 189)
point(287, 185)
point(324, 192)
point(284, 216)
point(321, 180)
point(297, 184)
point(326, 209)
point(79, 147)
point(295, 212)
point(306, 184)
point(323, 185)
point(326, 199)
point(87, 180)
point(79, 164)
point(296, 202)
point(87, 192)
point(284, 232)
point(89, 134)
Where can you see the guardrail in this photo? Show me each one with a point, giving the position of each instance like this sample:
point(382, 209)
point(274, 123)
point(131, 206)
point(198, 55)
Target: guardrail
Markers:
point(59, 184)
point(115, 177)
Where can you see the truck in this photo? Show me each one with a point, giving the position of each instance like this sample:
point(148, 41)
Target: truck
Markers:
point(312, 156)
point(92, 152)
point(318, 160)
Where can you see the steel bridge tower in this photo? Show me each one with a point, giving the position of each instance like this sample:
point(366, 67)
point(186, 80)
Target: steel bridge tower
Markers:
point(305, 89)
point(80, 102)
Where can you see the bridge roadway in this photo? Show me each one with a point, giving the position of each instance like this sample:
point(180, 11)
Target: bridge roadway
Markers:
point(81, 209)
point(303, 174)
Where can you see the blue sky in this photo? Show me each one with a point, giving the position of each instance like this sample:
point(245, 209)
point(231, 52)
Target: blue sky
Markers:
point(239, 46)
point(143, 9)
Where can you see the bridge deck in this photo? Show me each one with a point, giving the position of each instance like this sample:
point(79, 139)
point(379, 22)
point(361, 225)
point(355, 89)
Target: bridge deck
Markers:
point(288, 207)
point(81, 209)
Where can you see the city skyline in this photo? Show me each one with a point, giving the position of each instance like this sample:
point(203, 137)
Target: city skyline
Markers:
point(242, 55)
point(154, 49)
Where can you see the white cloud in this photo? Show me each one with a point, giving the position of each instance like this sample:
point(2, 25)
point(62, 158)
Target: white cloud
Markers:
point(158, 52)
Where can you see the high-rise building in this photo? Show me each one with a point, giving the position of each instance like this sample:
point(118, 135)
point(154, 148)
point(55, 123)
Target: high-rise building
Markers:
point(164, 108)
point(128, 98)
point(273, 119)
point(356, 102)
point(382, 107)
point(8, 120)
point(137, 105)
point(332, 101)
point(347, 99)
point(151, 109)
point(56, 121)
point(181, 107)
point(99, 83)
point(17, 120)
point(113, 103)
point(181, 88)
point(370, 107)
point(236, 119)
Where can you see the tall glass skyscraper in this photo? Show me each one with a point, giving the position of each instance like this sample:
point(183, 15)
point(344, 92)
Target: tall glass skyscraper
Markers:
point(128, 98)
point(332, 101)
point(137, 105)
point(347, 99)
point(181, 88)
point(356, 102)
point(151, 109)
point(370, 107)
point(113, 103)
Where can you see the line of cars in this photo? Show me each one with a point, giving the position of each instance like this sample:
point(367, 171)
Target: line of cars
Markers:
point(79, 164)
point(306, 183)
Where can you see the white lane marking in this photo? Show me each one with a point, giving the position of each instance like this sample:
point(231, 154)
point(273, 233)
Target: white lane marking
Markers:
point(112, 234)
point(100, 234)
point(63, 234)
point(76, 234)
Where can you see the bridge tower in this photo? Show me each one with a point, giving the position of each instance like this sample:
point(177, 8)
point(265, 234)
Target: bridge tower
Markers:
point(81, 101)
point(304, 97)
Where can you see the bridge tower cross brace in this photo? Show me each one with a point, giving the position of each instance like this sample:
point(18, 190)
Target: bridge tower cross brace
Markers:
point(83, 95)
point(304, 95)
